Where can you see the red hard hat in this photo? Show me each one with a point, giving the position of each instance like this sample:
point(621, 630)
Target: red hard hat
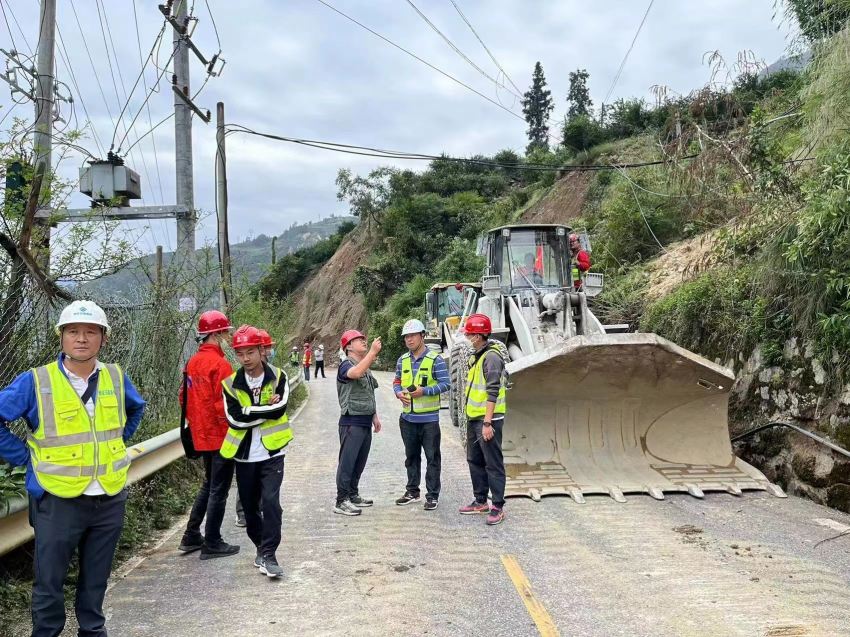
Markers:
point(247, 336)
point(348, 336)
point(478, 324)
point(267, 339)
point(211, 322)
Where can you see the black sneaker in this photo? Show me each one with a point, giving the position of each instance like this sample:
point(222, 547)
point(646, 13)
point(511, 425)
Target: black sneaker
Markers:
point(430, 504)
point(258, 561)
point(240, 521)
point(408, 498)
point(270, 567)
point(361, 502)
point(191, 543)
point(223, 549)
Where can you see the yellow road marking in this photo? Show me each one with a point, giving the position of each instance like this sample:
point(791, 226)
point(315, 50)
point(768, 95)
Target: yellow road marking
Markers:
point(545, 624)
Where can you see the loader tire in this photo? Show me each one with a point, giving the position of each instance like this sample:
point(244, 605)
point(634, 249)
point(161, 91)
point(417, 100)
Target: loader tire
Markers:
point(459, 366)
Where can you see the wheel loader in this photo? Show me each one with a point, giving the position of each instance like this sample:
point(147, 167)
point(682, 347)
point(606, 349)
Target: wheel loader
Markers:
point(591, 409)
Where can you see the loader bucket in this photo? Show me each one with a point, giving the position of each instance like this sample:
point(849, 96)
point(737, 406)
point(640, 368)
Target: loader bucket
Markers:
point(621, 413)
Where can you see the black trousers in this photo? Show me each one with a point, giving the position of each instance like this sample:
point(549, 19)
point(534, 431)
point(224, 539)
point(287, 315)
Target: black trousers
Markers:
point(306, 372)
point(211, 499)
point(486, 463)
point(320, 366)
point(418, 437)
point(90, 526)
point(259, 490)
point(355, 441)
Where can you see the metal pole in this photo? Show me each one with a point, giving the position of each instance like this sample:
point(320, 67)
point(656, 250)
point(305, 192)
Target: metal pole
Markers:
point(43, 136)
point(221, 206)
point(183, 146)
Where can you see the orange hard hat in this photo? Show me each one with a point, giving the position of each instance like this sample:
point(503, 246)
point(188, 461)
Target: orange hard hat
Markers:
point(478, 324)
point(348, 336)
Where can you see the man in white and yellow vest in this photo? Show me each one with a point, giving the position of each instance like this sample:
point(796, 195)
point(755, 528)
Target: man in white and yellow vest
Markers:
point(485, 413)
point(79, 414)
point(255, 400)
point(421, 376)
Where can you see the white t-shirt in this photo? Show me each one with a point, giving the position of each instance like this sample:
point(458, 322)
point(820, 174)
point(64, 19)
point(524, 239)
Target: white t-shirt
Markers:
point(257, 452)
point(80, 386)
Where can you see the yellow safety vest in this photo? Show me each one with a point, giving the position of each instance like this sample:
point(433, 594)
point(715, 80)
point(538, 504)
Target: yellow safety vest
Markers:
point(424, 378)
point(69, 450)
point(274, 434)
point(476, 388)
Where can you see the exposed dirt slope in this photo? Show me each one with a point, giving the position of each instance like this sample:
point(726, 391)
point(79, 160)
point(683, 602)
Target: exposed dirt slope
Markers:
point(325, 303)
point(563, 202)
point(682, 261)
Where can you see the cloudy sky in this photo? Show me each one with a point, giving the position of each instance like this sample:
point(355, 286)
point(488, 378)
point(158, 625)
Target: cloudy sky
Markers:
point(297, 68)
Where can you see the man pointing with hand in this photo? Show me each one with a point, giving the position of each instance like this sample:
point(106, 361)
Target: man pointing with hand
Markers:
point(355, 386)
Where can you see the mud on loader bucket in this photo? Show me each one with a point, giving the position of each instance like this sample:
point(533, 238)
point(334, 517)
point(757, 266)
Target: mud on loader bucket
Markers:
point(621, 413)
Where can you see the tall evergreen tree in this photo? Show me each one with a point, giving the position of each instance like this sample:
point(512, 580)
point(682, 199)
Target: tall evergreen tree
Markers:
point(537, 105)
point(579, 96)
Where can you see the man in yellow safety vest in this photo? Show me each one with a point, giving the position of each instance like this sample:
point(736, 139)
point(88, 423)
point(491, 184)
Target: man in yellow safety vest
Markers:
point(255, 400)
point(421, 376)
point(485, 412)
point(79, 414)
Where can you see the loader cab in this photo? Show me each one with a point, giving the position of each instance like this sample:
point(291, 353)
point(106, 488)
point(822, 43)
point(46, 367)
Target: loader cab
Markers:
point(528, 257)
point(445, 304)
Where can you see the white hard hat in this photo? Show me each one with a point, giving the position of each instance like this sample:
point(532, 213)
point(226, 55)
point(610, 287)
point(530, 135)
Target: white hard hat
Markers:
point(413, 326)
point(321, 347)
point(294, 349)
point(83, 312)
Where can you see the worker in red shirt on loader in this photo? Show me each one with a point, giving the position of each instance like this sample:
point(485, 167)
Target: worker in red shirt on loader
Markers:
point(580, 260)
point(208, 425)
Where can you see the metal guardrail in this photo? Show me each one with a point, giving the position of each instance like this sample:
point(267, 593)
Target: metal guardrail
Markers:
point(146, 457)
point(805, 432)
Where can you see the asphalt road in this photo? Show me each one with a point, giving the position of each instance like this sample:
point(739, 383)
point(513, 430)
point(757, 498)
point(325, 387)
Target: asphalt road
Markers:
point(721, 566)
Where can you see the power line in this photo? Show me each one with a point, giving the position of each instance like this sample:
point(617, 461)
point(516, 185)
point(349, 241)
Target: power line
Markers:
point(492, 57)
point(459, 52)
point(212, 19)
point(626, 56)
point(425, 62)
point(147, 106)
point(66, 58)
point(405, 155)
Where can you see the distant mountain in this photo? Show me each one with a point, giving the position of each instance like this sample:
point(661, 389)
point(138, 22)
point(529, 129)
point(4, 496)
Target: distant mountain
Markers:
point(250, 258)
point(788, 63)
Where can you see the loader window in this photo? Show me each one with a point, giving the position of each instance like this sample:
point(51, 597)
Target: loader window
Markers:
point(531, 259)
point(451, 302)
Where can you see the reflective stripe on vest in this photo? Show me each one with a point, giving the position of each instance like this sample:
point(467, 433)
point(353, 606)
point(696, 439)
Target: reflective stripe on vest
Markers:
point(274, 434)
point(476, 389)
point(69, 450)
point(424, 378)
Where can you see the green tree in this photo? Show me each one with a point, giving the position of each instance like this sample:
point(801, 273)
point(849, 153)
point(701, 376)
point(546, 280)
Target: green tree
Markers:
point(578, 95)
point(819, 19)
point(537, 105)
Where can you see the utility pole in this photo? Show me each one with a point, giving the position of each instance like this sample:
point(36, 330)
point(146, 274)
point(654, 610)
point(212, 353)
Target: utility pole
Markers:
point(43, 137)
point(183, 141)
point(221, 207)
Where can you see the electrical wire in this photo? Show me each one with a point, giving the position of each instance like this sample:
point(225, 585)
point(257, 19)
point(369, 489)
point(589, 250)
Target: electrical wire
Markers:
point(404, 155)
point(626, 56)
point(91, 62)
point(492, 57)
point(148, 106)
point(425, 62)
point(461, 53)
point(66, 58)
point(215, 27)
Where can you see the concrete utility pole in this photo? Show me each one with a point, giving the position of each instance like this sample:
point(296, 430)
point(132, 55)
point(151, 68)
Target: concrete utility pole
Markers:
point(183, 144)
point(43, 137)
point(221, 207)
